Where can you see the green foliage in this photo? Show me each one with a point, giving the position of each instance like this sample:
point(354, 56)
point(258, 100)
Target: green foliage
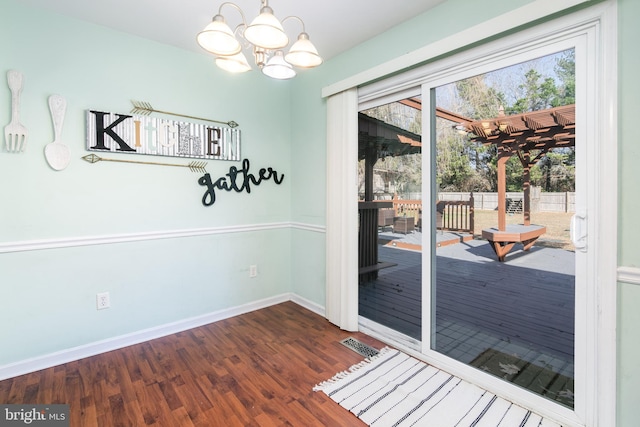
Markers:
point(556, 171)
point(455, 157)
point(453, 167)
point(538, 95)
point(565, 70)
point(479, 100)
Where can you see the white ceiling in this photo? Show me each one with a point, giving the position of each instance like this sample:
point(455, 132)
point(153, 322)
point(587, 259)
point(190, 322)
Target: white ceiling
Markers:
point(333, 25)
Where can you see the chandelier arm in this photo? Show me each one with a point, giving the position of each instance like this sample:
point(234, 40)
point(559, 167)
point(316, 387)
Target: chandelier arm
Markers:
point(240, 35)
point(244, 20)
point(299, 20)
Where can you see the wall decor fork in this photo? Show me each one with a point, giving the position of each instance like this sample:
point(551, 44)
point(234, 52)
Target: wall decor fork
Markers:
point(15, 134)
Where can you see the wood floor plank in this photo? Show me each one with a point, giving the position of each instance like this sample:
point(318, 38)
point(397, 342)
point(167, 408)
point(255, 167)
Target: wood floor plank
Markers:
point(257, 369)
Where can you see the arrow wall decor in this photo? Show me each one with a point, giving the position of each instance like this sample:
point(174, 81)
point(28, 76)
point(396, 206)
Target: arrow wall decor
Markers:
point(193, 166)
point(144, 109)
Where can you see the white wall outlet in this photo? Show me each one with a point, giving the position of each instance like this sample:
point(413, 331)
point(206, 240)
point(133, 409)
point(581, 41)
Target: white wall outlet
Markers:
point(253, 270)
point(103, 301)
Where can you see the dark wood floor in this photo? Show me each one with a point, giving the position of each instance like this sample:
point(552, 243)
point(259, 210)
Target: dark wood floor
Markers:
point(257, 369)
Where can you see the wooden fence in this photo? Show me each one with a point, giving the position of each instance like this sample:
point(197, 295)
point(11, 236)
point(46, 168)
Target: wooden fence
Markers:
point(540, 202)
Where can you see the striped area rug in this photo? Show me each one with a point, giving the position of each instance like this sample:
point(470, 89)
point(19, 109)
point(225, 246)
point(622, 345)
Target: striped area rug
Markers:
point(395, 389)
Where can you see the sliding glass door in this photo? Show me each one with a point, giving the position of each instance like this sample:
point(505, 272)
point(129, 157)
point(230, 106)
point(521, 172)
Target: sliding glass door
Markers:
point(503, 174)
point(390, 216)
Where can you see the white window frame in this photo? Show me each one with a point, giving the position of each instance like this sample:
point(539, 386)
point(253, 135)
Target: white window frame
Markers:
point(597, 25)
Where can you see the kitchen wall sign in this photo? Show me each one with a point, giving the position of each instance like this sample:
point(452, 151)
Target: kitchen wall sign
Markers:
point(137, 134)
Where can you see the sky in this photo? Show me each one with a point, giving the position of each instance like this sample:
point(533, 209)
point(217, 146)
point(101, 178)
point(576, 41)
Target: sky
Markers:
point(505, 80)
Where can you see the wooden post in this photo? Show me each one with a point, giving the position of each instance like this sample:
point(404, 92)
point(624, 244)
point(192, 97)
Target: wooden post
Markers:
point(525, 159)
point(471, 213)
point(371, 157)
point(503, 156)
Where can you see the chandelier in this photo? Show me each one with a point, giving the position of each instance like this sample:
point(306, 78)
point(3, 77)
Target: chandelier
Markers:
point(265, 37)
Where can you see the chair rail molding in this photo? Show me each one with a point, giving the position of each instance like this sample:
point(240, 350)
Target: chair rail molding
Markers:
point(67, 242)
point(630, 275)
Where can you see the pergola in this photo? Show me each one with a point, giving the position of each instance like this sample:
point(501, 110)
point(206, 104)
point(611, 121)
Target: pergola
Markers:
point(530, 136)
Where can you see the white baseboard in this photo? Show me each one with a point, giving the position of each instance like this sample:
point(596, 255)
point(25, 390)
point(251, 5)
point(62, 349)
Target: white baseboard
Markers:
point(309, 305)
point(64, 356)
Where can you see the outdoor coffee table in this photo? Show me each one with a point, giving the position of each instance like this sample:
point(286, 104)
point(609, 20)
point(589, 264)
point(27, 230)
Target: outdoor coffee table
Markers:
point(503, 241)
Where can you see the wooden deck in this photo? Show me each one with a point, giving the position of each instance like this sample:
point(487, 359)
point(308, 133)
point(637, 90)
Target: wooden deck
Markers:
point(522, 307)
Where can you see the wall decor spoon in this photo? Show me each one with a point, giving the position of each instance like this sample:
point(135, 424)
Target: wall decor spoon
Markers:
point(56, 153)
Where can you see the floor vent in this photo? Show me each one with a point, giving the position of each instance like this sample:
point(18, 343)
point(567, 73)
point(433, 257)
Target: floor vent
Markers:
point(358, 347)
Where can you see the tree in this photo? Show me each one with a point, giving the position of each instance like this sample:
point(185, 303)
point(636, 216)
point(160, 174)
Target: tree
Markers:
point(478, 100)
point(566, 71)
point(452, 165)
point(555, 171)
point(537, 95)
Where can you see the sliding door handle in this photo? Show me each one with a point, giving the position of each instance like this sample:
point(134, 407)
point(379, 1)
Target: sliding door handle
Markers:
point(578, 231)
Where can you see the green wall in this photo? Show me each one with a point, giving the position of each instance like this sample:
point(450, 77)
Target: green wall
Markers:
point(629, 206)
point(47, 301)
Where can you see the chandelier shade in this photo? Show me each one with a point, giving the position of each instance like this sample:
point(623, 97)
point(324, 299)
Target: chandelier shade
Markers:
point(266, 31)
point(303, 53)
point(218, 38)
point(278, 68)
point(264, 37)
point(234, 64)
